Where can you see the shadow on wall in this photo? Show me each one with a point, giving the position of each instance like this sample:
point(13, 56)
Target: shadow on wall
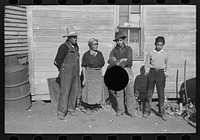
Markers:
point(191, 91)
point(140, 87)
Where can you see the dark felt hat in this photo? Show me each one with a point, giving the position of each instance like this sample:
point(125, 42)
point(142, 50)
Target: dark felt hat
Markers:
point(119, 35)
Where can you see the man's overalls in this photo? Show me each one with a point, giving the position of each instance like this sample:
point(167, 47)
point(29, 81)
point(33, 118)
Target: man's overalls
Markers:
point(69, 80)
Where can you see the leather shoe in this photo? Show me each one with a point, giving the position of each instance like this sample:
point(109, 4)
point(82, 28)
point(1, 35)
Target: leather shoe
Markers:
point(132, 115)
point(119, 114)
point(73, 113)
point(164, 118)
point(60, 116)
point(145, 115)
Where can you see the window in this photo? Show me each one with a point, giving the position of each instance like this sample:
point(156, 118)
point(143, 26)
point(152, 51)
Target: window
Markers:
point(130, 25)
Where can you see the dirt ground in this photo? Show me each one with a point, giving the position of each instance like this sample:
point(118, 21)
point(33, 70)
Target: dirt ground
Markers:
point(41, 118)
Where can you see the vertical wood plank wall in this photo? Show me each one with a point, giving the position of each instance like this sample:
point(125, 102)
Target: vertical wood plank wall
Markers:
point(178, 25)
point(49, 25)
point(15, 30)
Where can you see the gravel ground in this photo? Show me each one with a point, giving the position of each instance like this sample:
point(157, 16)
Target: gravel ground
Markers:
point(41, 118)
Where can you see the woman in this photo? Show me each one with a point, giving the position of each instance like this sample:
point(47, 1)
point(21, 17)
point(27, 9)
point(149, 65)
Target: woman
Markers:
point(92, 63)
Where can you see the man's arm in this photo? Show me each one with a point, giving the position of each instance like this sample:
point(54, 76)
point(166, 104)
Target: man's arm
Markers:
point(128, 61)
point(62, 51)
point(112, 59)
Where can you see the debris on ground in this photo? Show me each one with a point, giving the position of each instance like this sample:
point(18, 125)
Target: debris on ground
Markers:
point(173, 109)
point(39, 102)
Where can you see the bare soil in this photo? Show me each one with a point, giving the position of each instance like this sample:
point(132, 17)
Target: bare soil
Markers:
point(41, 118)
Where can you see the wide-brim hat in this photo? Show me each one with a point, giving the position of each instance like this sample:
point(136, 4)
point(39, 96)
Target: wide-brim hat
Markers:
point(119, 35)
point(70, 32)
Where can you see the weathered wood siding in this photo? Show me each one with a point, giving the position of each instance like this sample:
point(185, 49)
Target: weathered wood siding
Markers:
point(178, 25)
point(47, 25)
point(15, 30)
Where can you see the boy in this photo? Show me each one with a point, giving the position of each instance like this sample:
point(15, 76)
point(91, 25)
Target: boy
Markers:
point(121, 55)
point(156, 69)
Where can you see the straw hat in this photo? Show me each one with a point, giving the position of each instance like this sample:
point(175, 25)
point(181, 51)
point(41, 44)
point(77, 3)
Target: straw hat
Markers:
point(70, 32)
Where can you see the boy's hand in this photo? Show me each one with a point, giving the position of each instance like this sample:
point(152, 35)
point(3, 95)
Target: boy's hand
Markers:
point(120, 61)
point(113, 58)
point(124, 59)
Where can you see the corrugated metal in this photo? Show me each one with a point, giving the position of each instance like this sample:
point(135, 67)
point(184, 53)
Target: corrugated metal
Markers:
point(15, 30)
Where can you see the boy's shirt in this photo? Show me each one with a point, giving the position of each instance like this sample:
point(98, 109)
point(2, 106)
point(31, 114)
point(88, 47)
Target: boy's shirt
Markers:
point(158, 60)
point(119, 53)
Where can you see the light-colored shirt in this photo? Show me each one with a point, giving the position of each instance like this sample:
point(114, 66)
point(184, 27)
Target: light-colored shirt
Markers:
point(158, 60)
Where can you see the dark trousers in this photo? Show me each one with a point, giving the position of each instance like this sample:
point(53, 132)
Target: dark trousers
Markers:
point(67, 99)
point(155, 77)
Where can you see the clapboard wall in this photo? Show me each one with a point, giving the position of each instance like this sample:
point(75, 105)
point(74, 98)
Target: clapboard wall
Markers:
point(47, 25)
point(178, 25)
point(15, 30)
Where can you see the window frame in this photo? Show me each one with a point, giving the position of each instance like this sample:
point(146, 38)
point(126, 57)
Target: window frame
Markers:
point(141, 32)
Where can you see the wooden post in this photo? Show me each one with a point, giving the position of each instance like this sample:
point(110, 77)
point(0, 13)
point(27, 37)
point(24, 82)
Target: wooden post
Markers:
point(177, 84)
point(31, 50)
point(186, 96)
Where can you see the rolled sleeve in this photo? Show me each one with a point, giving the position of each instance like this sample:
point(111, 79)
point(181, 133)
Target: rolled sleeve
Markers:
point(129, 60)
point(111, 61)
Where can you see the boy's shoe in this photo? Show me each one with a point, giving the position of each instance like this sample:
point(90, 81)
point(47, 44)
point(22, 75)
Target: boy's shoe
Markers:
point(164, 117)
point(132, 115)
point(119, 113)
point(145, 115)
point(60, 116)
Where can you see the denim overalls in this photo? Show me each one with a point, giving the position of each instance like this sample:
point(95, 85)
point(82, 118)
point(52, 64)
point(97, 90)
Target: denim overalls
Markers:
point(70, 80)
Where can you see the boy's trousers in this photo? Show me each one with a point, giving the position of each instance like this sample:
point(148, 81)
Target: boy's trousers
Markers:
point(156, 77)
point(129, 96)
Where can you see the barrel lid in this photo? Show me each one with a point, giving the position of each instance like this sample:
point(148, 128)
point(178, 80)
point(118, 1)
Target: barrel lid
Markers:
point(13, 68)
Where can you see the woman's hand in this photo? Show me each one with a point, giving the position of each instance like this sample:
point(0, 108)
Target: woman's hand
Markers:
point(166, 74)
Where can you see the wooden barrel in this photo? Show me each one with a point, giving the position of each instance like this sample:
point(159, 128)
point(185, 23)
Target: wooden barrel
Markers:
point(17, 88)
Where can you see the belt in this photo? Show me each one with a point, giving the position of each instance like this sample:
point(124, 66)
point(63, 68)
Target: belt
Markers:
point(157, 69)
point(95, 68)
point(127, 66)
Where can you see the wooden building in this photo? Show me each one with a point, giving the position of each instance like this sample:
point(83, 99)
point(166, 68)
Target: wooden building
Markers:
point(47, 24)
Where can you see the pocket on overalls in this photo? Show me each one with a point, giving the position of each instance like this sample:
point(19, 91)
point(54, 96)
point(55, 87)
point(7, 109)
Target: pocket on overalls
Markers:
point(72, 55)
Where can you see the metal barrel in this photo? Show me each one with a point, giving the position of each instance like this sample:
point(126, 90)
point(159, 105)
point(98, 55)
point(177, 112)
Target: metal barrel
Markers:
point(17, 88)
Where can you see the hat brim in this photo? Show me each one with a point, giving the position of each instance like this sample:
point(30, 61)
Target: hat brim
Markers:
point(119, 38)
point(70, 35)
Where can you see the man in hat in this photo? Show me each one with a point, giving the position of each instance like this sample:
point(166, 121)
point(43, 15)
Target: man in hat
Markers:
point(121, 55)
point(67, 62)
